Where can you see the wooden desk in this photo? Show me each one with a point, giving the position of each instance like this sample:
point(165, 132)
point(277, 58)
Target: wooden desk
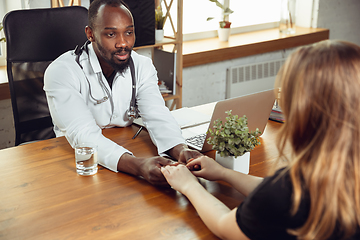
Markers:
point(42, 197)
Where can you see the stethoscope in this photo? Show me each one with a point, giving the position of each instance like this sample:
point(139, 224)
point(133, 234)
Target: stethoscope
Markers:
point(133, 111)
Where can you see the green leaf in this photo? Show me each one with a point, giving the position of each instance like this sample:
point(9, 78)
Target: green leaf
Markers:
point(228, 11)
point(232, 137)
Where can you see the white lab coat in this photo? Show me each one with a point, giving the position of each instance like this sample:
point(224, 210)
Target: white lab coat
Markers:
point(71, 91)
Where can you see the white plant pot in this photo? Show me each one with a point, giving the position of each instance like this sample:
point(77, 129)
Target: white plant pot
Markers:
point(240, 164)
point(224, 34)
point(159, 35)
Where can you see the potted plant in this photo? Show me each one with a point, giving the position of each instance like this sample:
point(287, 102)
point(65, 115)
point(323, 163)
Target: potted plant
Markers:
point(224, 25)
point(159, 24)
point(233, 142)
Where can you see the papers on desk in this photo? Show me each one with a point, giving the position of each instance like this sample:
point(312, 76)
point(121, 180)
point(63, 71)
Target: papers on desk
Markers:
point(185, 117)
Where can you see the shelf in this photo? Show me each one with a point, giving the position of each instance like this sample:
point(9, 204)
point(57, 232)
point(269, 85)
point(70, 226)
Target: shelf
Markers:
point(174, 44)
point(245, 44)
point(170, 97)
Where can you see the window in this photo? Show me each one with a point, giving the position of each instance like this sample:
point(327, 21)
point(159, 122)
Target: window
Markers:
point(254, 13)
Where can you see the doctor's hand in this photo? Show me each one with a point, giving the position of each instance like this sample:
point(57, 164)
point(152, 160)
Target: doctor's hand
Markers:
point(187, 154)
point(183, 154)
point(148, 168)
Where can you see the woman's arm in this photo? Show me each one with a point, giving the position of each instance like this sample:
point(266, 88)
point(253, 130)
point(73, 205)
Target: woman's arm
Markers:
point(216, 215)
point(241, 182)
point(213, 171)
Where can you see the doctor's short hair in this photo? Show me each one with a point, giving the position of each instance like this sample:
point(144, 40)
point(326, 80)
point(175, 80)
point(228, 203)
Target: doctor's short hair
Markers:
point(96, 4)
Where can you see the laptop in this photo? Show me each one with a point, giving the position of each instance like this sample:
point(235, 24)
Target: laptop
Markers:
point(256, 107)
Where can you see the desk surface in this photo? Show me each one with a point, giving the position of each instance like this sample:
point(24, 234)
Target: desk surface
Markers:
point(42, 197)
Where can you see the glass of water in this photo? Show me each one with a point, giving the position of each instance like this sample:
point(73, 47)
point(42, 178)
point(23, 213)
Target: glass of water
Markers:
point(86, 159)
point(288, 16)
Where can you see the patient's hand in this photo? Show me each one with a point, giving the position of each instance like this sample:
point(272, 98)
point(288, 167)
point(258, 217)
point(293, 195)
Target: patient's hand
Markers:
point(179, 177)
point(187, 155)
point(150, 169)
point(207, 168)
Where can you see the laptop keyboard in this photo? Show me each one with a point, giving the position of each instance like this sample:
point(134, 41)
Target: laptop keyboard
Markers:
point(197, 140)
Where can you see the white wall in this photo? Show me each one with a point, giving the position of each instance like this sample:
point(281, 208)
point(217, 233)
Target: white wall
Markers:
point(342, 17)
point(207, 83)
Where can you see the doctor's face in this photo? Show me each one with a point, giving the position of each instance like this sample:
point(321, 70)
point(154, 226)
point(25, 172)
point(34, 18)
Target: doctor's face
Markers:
point(113, 37)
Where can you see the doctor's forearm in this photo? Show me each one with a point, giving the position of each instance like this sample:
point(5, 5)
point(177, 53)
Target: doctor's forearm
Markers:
point(129, 164)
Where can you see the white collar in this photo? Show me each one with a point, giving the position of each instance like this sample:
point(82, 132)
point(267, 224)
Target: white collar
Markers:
point(94, 61)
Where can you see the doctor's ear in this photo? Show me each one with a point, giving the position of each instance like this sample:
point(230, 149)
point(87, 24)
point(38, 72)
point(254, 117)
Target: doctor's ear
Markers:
point(89, 33)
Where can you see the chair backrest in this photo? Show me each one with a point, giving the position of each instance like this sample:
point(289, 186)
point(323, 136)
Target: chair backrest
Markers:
point(35, 38)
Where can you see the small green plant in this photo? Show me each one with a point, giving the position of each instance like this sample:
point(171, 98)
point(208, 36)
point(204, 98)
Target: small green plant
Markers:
point(232, 138)
point(226, 12)
point(1, 28)
point(159, 18)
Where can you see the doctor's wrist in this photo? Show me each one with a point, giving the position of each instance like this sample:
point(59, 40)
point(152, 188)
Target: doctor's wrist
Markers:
point(128, 163)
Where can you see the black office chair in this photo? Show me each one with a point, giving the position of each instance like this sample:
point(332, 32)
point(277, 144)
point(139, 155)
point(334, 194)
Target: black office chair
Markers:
point(34, 38)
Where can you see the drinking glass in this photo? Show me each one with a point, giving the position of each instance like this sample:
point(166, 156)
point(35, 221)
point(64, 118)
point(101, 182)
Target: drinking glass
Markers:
point(86, 159)
point(287, 17)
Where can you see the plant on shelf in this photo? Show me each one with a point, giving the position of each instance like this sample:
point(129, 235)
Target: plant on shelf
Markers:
point(233, 138)
point(159, 24)
point(226, 12)
point(159, 18)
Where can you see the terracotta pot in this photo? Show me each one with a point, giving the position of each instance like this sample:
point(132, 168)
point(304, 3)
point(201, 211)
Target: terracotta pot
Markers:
point(227, 24)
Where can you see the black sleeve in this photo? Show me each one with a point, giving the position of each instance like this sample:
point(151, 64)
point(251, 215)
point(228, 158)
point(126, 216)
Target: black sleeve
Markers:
point(265, 213)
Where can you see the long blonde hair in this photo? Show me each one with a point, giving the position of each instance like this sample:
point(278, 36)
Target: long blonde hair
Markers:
point(320, 99)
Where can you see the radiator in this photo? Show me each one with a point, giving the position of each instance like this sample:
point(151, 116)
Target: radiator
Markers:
point(251, 78)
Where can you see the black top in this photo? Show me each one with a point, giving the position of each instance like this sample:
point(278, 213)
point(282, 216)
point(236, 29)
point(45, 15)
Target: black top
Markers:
point(265, 213)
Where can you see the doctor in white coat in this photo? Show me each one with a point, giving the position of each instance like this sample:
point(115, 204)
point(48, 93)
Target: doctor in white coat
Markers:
point(91, 88)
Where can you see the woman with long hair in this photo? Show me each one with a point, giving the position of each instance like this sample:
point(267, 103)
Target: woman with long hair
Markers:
point(317, 195)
